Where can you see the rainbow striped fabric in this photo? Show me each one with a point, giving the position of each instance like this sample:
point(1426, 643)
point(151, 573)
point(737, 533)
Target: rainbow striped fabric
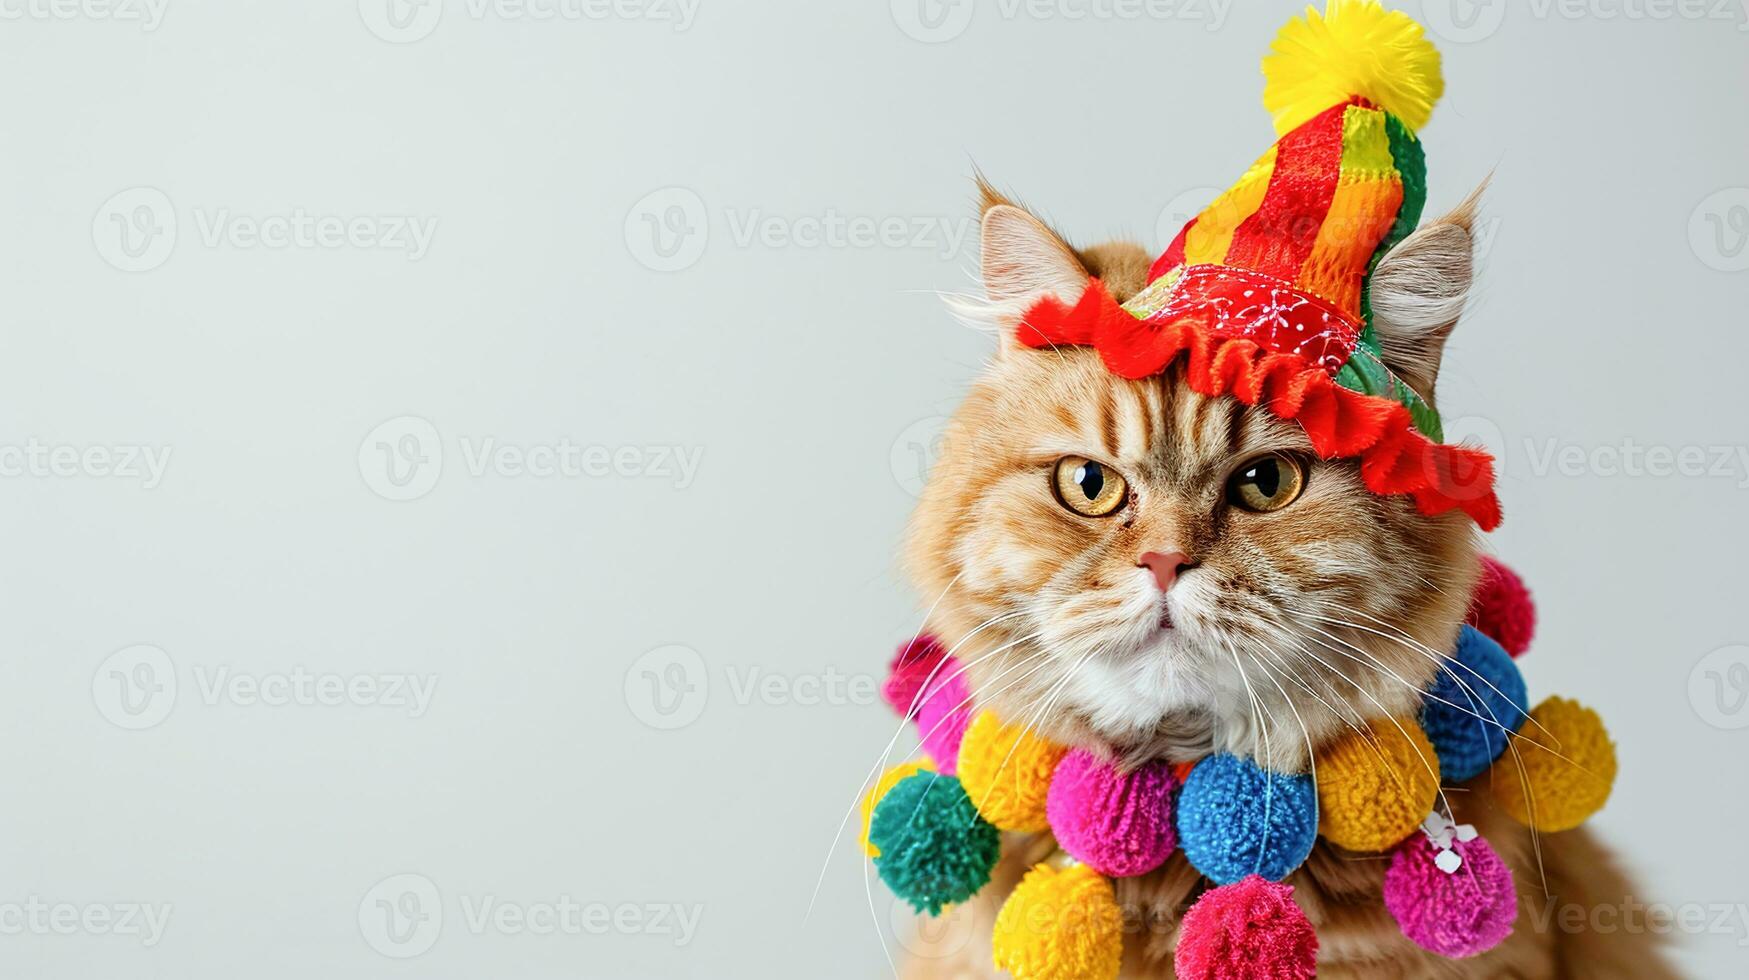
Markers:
point(1314, 214)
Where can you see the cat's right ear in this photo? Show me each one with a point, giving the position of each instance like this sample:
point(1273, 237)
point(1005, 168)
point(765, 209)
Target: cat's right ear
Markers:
point(1022, 261)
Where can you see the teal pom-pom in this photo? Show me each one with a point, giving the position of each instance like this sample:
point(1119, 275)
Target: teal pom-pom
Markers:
point(1237, 819)
point(934, 848)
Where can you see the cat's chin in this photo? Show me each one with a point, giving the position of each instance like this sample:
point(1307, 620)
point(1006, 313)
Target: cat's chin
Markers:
point(1160, 680)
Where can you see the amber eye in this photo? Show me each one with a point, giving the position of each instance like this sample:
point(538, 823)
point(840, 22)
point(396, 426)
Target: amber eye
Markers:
point(1267, 483)
point(1088, 488)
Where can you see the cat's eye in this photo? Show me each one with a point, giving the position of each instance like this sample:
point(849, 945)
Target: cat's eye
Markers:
point(1089, 488)
point(1267, 483)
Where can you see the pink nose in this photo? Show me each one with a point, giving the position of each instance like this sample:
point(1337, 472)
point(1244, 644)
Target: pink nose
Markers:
point(1165, 566)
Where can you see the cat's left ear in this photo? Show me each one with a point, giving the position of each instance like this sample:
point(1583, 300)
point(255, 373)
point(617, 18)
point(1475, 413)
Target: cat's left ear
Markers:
point(1418, 291)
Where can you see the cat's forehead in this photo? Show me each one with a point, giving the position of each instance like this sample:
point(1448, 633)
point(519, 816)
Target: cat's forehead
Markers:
point(1156, 428)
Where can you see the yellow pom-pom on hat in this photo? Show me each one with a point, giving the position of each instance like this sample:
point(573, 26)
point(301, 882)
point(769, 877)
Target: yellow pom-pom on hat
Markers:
point(1006, 770)
point(1355, 48)
point(1060, 925)
point(1559, 770)
point(892, 777)
point(1376, 786)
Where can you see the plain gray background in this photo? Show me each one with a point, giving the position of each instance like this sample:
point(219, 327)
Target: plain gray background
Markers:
point(713, 233)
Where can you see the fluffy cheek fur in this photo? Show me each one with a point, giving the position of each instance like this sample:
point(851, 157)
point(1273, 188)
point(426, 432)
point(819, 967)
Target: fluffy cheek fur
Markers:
point(1287, 626)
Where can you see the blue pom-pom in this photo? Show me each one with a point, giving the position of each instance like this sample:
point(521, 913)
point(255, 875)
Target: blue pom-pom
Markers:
point(935, 849)
point(1237, 819)
point(1473, 707)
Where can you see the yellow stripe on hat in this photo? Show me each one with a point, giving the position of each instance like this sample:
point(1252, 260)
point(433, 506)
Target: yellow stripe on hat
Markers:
point(1207, 241)
point(1369, 192)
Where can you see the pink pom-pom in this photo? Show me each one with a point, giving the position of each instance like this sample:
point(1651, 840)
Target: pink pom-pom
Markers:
point(1248, 930)
point(1119, 824)
point(911, 667)
point(1501, 607)
point(1457, 914)
point(944, 716)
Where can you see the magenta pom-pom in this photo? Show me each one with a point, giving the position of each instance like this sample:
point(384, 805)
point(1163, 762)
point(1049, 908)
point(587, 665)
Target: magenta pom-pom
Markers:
point(1248, 930)
point(1119, 824)
point(1501, 607)
point(1460, 913)
point(944, 716)
point(912, 666)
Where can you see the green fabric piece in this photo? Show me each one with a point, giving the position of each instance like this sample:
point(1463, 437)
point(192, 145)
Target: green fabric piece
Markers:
point(1410, 160)
point(1365, 371)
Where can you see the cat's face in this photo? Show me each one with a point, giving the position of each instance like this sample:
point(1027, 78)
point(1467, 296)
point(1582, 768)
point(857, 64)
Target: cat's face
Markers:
point(1131, 565)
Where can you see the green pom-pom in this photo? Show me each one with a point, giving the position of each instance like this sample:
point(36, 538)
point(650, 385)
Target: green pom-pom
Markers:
point(934, 848)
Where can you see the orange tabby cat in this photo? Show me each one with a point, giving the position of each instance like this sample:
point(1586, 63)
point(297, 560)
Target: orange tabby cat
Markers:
point(1240, 595)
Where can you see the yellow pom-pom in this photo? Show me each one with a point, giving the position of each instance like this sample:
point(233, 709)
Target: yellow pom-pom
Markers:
point(892, 777)
point(1006, 770)
point(1375, 787)
point(1355, 48)
point(1560, 769)
point(1060, 925)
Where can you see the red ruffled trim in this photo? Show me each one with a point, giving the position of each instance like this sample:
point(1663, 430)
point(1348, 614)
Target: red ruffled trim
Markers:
point(1395, 458)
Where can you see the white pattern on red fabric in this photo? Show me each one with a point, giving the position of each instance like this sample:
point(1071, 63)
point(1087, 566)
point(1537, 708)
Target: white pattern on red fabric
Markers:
point(1270, 312)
